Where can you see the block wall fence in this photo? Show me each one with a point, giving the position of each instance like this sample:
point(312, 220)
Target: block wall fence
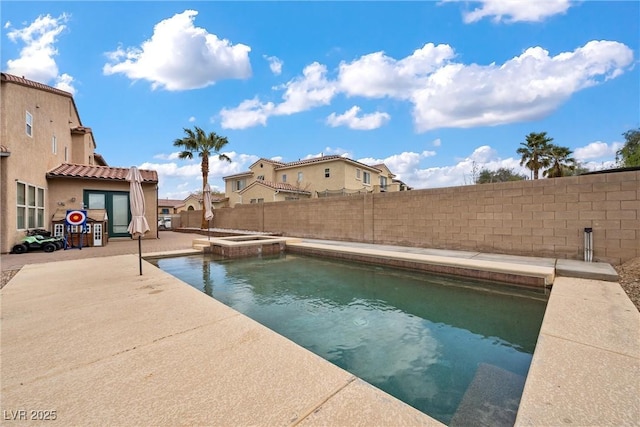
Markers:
point(544, 217)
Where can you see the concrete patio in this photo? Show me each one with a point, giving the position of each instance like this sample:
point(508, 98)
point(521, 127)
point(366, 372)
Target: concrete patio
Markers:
point(86, 336)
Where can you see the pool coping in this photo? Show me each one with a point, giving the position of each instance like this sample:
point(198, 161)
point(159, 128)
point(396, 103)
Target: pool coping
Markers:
point(584, 371)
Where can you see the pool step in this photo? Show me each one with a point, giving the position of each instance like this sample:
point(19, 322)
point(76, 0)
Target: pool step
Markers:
point(507, 272)
point(492, 398)
point(201, 247)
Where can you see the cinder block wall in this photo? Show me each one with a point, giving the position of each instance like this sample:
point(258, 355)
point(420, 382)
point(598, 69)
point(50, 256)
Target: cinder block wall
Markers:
point(545, 217)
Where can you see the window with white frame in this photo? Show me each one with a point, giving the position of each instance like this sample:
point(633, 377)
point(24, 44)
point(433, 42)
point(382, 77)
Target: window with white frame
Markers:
point(260, 177)
point(358, 174)
point(261, 200)
point(327, 173)
point(300, 176)
point(29, 206)
point(366, 178)
point(54, 145)
point(284, 178)
point(29, 124)
point(238, 184)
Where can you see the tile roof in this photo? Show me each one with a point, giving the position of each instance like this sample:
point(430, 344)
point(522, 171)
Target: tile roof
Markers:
point(238, 175)
point(262, 159)
point(279, 186)
point(100, 161)
point(280, 165)
point(324, 159)
point(170, 202)
point(30, 83)
point(69, 170)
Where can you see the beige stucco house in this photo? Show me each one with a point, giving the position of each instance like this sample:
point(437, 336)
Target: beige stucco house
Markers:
point(48, 162)
point(170, 206)
point(273, 181)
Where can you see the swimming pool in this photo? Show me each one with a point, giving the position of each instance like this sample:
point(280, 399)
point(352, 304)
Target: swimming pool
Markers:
point(424, 339)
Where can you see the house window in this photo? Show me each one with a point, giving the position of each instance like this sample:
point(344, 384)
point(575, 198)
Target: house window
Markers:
point(30, 206)
point(29, 123)
point(66, 154)
point(366, 178)
point(260, 178)
point(327, 173)
point(97, 201)
point(238, 184)
point(383, 182)
point(165, 210)
point(54, 145)
point(284, 178)
point(299, 176)
point(256, 200)
point(358, 174)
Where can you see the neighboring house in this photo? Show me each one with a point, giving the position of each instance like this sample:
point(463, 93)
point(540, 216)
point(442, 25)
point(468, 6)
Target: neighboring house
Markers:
point(273, 181)
point(48, 162)
point(193, 202)
point(170, 206)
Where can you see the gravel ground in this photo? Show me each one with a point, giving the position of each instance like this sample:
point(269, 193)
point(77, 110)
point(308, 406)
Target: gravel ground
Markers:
point(6, 276)
point(629, 273)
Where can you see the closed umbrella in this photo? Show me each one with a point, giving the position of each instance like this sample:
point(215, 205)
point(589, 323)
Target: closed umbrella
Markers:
point(208, 212)
point(138, 225)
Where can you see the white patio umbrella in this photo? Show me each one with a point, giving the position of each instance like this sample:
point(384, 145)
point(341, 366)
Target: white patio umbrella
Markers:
point(138, 225)
point(208, 212)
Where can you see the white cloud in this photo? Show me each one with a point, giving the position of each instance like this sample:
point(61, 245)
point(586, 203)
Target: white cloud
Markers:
point(462, 173)
point(527, 87)
point(192, 119)
point(437, 142)
point(170, 156)
point(351, 120)
point(306, 92)
point(37, 57)
point(180, 56)
point(515, 10)
point(377, 75)
point(301, 94)
point(445, 93)
point(596, 150)
point(249, 113)
point(275, 64)
point(404, 165)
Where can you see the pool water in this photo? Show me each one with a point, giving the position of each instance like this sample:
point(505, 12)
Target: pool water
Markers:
point(419, 337)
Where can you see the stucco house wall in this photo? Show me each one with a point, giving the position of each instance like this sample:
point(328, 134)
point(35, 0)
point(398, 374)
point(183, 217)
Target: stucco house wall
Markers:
point(31, 156)
point(309, 176)
point(57, 138)
point(69, 194)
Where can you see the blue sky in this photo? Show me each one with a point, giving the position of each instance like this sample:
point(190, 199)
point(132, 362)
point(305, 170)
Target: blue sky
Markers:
point(429, 88)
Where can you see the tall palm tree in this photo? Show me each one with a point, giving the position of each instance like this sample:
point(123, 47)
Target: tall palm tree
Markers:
point(535, 152)
point(561, 162)
point(205, 145)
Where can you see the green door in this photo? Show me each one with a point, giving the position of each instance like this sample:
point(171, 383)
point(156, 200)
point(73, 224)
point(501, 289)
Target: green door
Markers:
point(116, 203)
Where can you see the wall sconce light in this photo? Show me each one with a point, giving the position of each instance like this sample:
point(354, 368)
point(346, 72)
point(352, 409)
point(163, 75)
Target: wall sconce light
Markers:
point(60, 203)
point(73, 199)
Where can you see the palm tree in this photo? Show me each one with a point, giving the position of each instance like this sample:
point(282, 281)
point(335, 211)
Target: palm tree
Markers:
point(535, 152)
point(205, 145)
point(561, 162)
